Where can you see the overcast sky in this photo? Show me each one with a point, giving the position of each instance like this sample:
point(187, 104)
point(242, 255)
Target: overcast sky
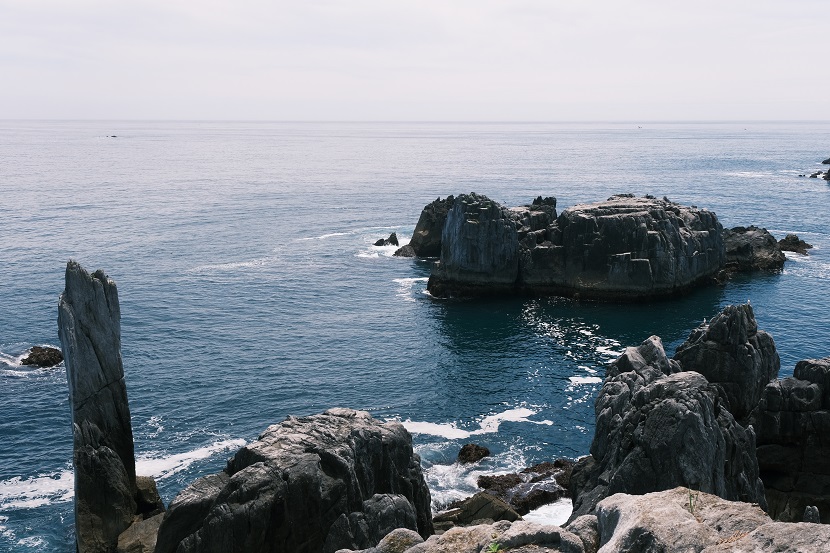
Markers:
point(522, 60)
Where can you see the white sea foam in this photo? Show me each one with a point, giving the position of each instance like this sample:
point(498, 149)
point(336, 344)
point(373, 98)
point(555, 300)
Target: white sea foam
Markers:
point(5, 531)
point(27, 493)
point(233, 266)
point(11, 360)
point(585, 379)
point(32, 541)
point(609, 351)
point(556, 513)
point(160, 467)
point(405, 286)
point(488, 425)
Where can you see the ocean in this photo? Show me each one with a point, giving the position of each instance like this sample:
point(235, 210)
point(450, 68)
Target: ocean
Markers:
point(250, 289)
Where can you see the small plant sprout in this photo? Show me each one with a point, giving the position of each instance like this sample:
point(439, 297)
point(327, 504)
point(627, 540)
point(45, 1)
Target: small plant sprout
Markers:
point(495, 547)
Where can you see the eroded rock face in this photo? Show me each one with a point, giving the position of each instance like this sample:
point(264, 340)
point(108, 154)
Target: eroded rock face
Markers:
point(658, 428)
point(752, 249)
point(426, 239)
point(731, 352)
point(793, 426)
point(89, 326)
point(625, 248)
point(336, 480)
point(479, 249)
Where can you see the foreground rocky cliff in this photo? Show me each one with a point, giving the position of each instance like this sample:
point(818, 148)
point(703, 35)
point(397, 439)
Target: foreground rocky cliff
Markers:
point(107, 497)
point(625, 248)
point(307, 485)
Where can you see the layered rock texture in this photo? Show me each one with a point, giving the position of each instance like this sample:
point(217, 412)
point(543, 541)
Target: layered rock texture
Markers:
point(658, 428)
point(625, 248)
point(793, 426)
point(752, 249)
point(732, 353)
point(89, 325)
point(336, 480)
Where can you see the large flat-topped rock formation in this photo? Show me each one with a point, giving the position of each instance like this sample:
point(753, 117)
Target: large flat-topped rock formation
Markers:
point(625, 248)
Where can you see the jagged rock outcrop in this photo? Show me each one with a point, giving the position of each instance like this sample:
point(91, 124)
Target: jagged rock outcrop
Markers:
point(43, 356)
point(792, 243)
point(391, 241)
point(625, 248)
point(732, 353)
point(314, 484)
point(532, 487)
point(752, 249)
point(426, 239)
point(658, 428)
point(793, 427)
point(481, 506)
point(89, 325)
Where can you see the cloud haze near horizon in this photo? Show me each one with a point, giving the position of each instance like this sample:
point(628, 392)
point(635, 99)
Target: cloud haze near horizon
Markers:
point(526, 60)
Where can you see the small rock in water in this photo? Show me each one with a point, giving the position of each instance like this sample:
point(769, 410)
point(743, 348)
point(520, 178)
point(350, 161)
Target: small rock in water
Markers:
point(43, 357)
point(826, 161)
point(405, 251)
point(391, 241)
point(472, 453)
point(792, 243)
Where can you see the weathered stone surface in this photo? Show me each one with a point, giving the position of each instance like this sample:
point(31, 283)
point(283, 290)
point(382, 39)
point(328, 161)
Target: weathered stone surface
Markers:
point(658, 428)
point(141, 536)
point(43, 356)
point(479, 249)
point(89, 326)
point(405, 251)
point(148, 501)
point(472, 453)
point(731, 352)
point(674, 520)
point(585, 527)
point(532, 487)
point(625, 248)
point(792, 243)
point(480, 506)
point(793, 426)
point(752, 249)
point(391, 241)
point(777, 537)
point(811, 514)
point(309, 484)
point(426, 239)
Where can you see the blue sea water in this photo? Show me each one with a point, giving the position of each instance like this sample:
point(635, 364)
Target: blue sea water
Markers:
point(250, 289)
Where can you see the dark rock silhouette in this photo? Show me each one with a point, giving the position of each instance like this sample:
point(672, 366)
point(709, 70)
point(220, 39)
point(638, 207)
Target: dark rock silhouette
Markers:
point(43, 356)
point(792, 243)
point(472, 453)
point(426, 239)
point(391, 241)
point(336, 480)
point(532, 487)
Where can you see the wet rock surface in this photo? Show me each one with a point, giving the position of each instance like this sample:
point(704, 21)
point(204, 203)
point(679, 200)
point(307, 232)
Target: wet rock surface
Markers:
point(752, 249)
point(472, 453)
point(792, 243)
point(391, 241)
point(532, 487)
point(43, 356)
point(336, 480)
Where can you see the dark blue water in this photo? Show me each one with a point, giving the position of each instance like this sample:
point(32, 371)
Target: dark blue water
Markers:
point(250, 289)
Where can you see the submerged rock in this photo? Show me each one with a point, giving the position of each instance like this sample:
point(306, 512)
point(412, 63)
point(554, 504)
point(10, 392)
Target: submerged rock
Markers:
point(658, 428)
point(792, 243)
point(752, 249)
point(625, 248)
point(472, 453)
point(322, 483)
point(43, 356)
point(89, 325)
point(731, 352)
point(792, 423)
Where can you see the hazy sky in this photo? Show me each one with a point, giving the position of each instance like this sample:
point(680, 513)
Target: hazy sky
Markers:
point(405, 60)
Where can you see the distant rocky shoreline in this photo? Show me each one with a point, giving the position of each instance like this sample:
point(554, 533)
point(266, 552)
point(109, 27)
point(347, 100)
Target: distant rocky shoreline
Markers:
point(704, 451)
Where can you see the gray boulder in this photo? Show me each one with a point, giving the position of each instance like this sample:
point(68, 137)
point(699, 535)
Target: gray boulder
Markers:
point(752, 249)
point(679, 519)
point(141, 536)
point(657, 428)
point(481, 506)
point(322, 483)
point(731, 352)
point(426, 239)
point(89, 326)
point(792, 422)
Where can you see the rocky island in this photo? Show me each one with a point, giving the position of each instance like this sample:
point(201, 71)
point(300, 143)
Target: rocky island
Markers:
point(623, 249)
